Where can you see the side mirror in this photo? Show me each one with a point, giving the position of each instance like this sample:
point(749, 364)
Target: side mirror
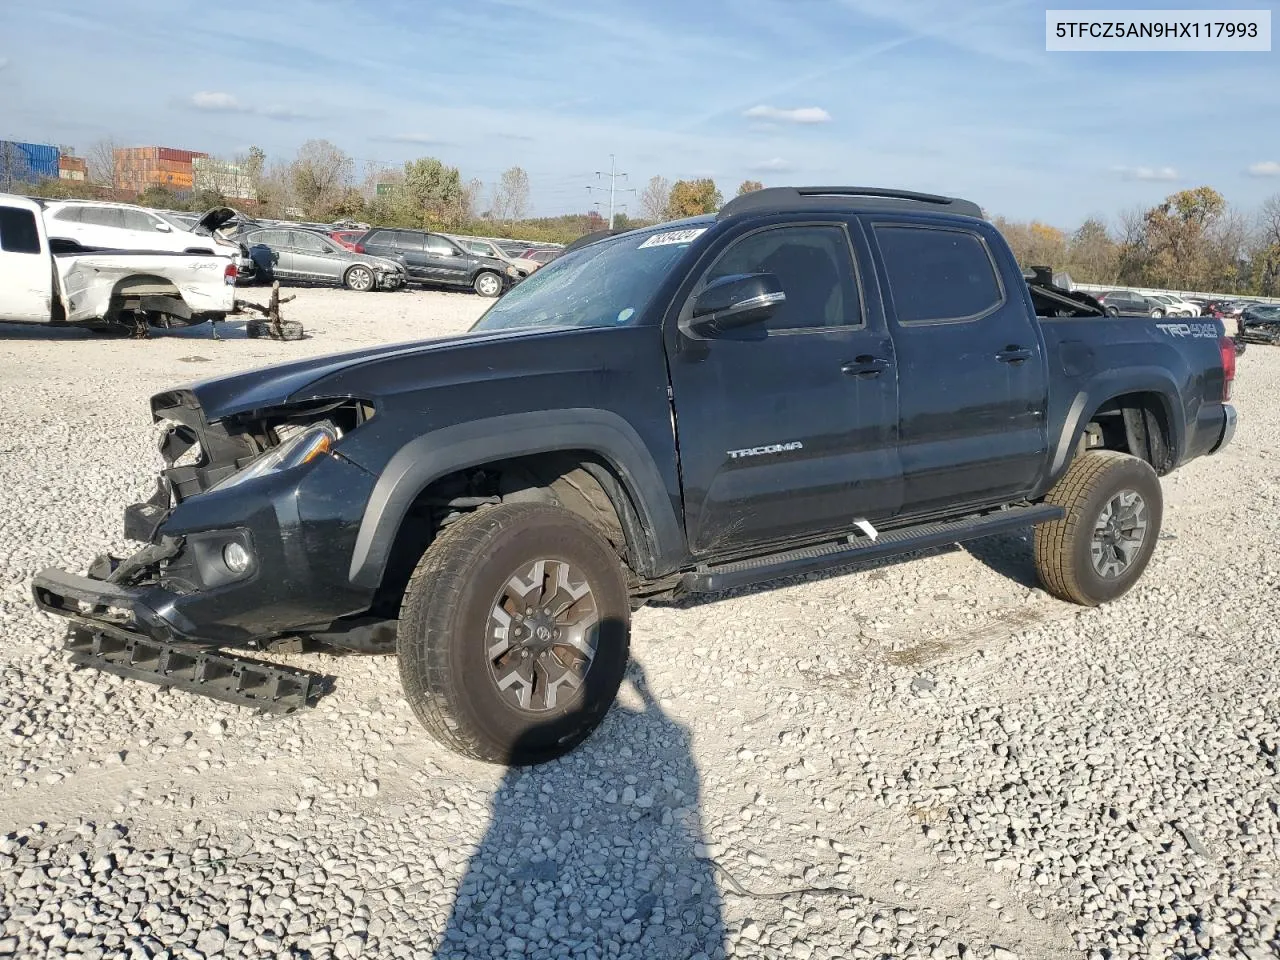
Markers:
point(162, 226)
point(732, 302)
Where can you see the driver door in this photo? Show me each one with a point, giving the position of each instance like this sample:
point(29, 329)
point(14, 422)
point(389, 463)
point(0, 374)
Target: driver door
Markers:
point(788, 429)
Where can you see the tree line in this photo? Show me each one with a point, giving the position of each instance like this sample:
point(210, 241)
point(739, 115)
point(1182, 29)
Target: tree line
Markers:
point(1193, 240)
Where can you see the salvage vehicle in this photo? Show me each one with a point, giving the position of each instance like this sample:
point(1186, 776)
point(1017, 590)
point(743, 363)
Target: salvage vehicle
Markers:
point(44, 280)
point(487, 248)
point(309, 257)
point(434, 259)
point(810, 378)
point(1116, 302)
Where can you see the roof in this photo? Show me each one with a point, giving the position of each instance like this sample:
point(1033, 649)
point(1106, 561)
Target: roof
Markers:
point(789, 199)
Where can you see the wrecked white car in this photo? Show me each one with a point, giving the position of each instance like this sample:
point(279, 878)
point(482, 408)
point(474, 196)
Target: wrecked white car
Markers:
point(53, 282)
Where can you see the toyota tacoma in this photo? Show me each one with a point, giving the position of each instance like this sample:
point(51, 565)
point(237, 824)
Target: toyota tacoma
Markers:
point(810, 378)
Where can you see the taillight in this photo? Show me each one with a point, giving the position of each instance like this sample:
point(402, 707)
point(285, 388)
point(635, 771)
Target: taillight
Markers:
point(229, 274)
point(357, 248)
point(1227, 347)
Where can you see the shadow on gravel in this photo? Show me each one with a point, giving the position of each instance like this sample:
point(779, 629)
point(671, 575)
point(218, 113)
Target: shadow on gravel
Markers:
point(595, 854)
point(1009, 554)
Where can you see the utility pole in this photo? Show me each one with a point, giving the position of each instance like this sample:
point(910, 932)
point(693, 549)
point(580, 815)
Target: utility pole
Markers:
point(613, 176)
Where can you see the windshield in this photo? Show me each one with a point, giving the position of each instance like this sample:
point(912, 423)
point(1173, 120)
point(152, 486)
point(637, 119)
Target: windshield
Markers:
point(602, 285)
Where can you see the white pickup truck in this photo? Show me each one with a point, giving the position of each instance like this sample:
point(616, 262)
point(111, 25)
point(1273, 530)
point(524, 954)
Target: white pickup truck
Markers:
point(60, 283)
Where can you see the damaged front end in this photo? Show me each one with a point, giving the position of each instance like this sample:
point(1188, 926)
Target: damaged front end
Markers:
point(247, 542)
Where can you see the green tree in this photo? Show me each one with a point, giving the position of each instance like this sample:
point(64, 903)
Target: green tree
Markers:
point(159, 197)
point(1092, 255)
point(432, 194)
point(320, 176)
point(692, 197)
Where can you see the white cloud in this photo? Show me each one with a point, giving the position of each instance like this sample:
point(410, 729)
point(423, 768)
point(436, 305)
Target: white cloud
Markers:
point(776, 165)
point(421, 139)
point(1264, 168)
point(794, 115)
point(216, 102)
point(1154, 174)
point(4, 62)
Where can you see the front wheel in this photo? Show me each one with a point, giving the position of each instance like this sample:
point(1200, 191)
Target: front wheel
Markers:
point(359, 278)
point(488, 284)
point(514, 633)
point(1098, 550)
point(1113, 311)
point(1157, 314)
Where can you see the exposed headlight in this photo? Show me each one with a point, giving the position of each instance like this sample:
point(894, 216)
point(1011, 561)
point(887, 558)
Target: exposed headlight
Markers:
point(303, 447)
point(512, 272)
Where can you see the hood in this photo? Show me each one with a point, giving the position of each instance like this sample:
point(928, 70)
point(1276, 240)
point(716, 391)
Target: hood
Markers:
point(289, 382)
point(214, 219)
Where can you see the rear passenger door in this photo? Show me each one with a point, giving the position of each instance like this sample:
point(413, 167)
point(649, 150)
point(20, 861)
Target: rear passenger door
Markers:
point(410, 245)
point(973, 388)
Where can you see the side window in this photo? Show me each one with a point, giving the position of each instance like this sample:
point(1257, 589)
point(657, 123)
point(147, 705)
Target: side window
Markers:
point(440, 247)
point(104, 216)
point(137, 220)
point(381, 238)
point(408, 240)
point(18, 232)
point(307, 242)
point(70, 214)
point(814, 264)
point(938, 274)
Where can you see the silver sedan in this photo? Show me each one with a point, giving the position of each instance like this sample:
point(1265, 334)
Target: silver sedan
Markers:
point(305, 256)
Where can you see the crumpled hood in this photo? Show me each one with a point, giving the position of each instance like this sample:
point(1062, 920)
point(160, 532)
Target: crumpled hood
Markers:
point(288, 382)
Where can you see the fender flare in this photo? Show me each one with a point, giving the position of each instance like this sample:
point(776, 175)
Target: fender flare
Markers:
point(1107, 386)
point(424, 460)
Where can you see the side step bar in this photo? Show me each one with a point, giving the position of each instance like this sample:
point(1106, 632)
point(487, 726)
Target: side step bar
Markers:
point(211, 673)
point(714, 578)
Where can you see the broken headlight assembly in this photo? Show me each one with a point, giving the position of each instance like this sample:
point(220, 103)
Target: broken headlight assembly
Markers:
point(301, 445)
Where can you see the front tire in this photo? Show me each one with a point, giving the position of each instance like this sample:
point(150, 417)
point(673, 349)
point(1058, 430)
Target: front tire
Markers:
point(1157, 314)
point(487, 284)
point(1097, 552)
point(514, 633)
point(359, 278)
point(1112, 311)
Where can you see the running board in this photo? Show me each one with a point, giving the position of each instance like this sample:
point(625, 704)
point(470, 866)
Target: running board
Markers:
point(196, 669)
point(712, 578)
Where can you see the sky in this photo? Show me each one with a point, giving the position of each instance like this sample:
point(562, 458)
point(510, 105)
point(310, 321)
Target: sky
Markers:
point(951, 96)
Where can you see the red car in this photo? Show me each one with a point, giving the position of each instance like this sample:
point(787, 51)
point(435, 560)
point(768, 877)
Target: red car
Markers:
point(348, 238)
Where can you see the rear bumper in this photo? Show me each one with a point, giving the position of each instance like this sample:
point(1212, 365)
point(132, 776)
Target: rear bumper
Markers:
point(1228, 428)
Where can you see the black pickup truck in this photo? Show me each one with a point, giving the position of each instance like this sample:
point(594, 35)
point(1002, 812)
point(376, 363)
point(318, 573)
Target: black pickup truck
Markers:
point(809, 378)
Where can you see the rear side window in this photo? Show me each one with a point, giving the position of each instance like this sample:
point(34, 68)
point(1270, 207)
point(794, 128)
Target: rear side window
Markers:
point(103, 216)
point(70, 214)
point(938, 274)
point(408, 240)
point(381, 237)
point(18, 231)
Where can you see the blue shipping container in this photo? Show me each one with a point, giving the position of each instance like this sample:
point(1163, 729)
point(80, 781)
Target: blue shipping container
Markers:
point(27, 162)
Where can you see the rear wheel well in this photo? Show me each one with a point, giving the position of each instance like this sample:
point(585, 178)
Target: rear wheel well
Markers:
point(1136, 424)
point(579, 481)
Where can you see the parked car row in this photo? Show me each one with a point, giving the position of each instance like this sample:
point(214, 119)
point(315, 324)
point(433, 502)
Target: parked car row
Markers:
point(1155, 305)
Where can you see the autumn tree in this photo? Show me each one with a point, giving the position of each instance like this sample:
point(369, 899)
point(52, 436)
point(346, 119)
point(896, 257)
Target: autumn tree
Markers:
point(1182, 243)
point(749, 186)
point(103, 162)
point(511, 195)
point(320, 176)
point(1092, 255)
point(692, 197)
point(1264, 253)
point(433, 194)
point(655, 199)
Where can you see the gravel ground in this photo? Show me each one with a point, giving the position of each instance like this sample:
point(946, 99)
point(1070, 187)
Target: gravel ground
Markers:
point(924, 759)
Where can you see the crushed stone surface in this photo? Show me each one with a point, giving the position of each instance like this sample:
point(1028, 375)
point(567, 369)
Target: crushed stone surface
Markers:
point(904, 760)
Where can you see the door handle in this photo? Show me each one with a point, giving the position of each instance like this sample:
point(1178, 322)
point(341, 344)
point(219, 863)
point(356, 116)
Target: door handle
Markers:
point(864, 366)
point(1013, 354)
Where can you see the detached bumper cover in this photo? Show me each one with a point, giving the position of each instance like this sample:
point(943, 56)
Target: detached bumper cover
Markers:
point(114, 630)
